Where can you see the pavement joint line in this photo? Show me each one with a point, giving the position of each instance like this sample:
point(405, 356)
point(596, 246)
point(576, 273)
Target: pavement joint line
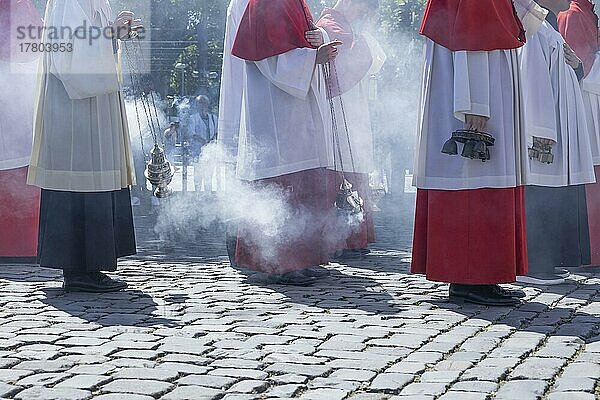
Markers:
point(542, 342)
point(580, 350)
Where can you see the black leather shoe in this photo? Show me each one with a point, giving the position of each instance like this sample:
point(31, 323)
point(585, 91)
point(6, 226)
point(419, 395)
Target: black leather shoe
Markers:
point(295, 278)
point(487, 295)
point(92, 282)
point(317, 272)
point(516, 293)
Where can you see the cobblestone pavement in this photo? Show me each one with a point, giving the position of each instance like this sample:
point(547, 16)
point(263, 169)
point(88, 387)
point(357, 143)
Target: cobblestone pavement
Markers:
point(191, 327)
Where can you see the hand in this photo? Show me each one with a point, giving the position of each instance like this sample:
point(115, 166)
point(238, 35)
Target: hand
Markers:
point(327, 52)
point(571, 58)
point(314, 37)
point(475, 122)
point(126, 25)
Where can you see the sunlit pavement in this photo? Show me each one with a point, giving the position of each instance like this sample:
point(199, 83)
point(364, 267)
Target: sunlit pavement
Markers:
point(191, 327)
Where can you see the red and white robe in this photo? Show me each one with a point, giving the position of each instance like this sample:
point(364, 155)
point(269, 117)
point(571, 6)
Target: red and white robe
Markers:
point(470, 216)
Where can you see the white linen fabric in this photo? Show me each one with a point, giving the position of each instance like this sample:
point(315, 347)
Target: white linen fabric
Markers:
point(531, 15)
point(287, 124)
point(590, 87)
point(468, 82)
point(81, 139)
point(358, 117)
point(232, 81)
point(17, 97)
point(553, 109)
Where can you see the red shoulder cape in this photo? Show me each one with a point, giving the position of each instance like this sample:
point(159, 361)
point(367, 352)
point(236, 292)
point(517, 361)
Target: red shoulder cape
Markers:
point(475, 25)
point(16, 14)
point(272, 27)
point(579, 27)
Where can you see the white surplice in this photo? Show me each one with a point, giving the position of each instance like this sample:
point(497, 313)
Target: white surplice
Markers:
point(357, 113)
point(81, 139)
point(468, 82)
point(287, 124)
point(590, 88)
point(553, 109)
point(17, 96)
point(232, 81)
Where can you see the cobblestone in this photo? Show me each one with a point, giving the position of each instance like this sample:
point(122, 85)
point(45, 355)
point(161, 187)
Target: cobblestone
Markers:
point(137, 386)
point(192, 327)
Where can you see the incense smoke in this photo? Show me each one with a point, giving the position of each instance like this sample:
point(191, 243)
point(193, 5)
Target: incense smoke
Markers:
point(265, 210)
point(260, 213)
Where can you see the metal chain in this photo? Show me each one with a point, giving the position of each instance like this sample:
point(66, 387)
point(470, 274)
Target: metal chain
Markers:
point(328, 70)
point(337, 151)
point(148, 104)
point(139, 46)
point(135, 101)
point(154, 125)
point(337, 80)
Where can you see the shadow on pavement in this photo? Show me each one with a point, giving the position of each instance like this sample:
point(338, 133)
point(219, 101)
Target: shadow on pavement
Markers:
point(126, 308)
point(28, 273)
point(338, 291)
point(562, 310)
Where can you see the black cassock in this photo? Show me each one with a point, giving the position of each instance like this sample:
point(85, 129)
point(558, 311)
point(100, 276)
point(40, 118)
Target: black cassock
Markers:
point(557, 228)
point(82, 232)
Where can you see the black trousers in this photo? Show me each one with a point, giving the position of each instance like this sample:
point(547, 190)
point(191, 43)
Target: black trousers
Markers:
point(557, 228)
point(81, 232)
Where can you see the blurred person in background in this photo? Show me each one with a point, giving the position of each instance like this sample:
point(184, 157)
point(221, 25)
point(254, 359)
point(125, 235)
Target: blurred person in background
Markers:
point(202, 129)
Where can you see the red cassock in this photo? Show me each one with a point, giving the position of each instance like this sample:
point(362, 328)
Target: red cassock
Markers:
point(302, 244)
point(579, 26)
point(593, 207)
point(471, 236)
point(19, 213)
point(355, 237)
point(19, 203)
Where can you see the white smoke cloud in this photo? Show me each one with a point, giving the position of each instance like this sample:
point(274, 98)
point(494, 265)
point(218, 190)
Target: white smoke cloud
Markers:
point(263, 214)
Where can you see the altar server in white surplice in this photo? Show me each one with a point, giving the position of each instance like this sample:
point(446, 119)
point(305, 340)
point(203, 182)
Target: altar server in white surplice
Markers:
point(469, 219)
point(554, 114)
point(284, 137)
point(82, 156)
